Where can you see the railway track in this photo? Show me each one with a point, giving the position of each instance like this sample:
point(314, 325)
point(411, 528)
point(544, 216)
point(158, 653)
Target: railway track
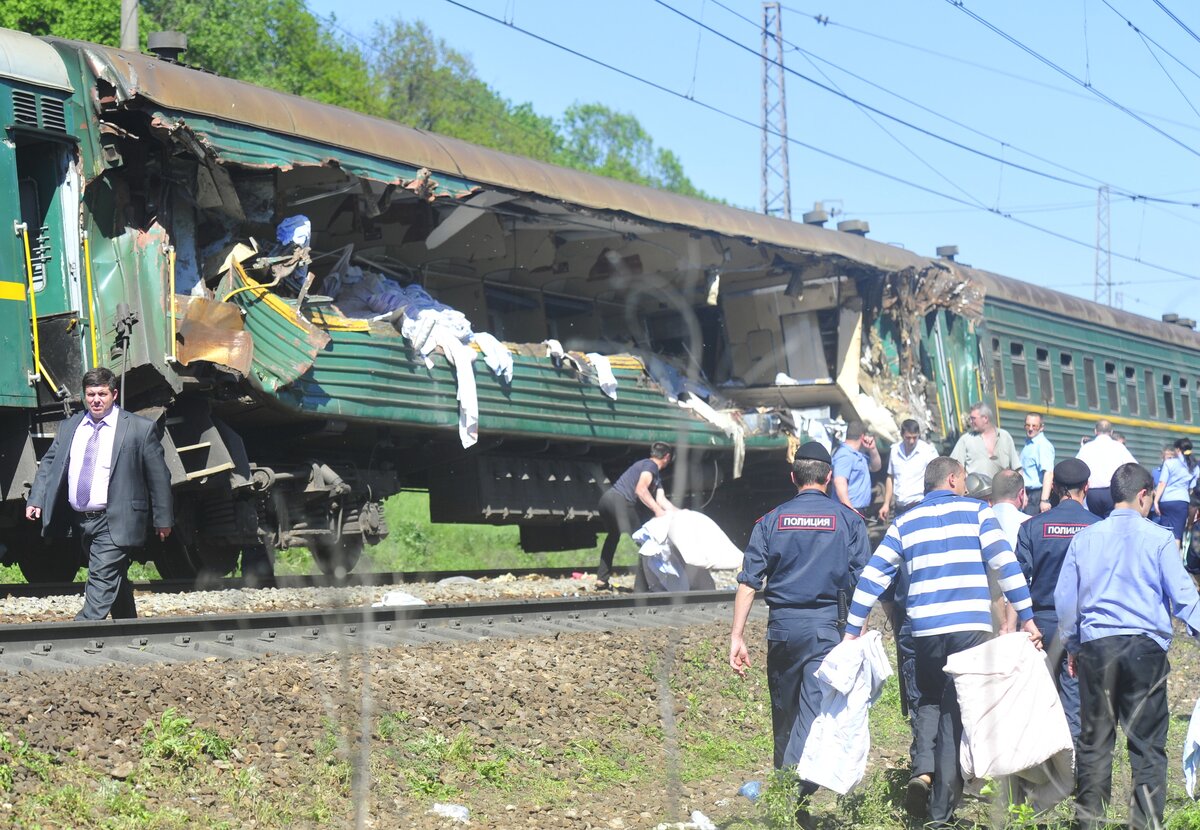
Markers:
point(181, 586)
point(62, 646)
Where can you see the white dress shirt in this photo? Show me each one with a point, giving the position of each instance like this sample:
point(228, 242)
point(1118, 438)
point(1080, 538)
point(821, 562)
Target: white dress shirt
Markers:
point(1103, 455)
point(908, 471)
point(99, 494)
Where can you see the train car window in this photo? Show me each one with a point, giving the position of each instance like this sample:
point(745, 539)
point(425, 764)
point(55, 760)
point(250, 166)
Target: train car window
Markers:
point(1185, 400)
point(1089, 381)
point(1151, 398)
point(1045, 381)
point(1110, 383)
point(1020, 377)
point(1067, 362)
point(1131, 390)
point(998, 366)
point(1168, 398)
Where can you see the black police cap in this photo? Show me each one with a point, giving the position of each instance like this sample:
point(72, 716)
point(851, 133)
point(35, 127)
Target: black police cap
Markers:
point(1071, 473)
point(814, 451)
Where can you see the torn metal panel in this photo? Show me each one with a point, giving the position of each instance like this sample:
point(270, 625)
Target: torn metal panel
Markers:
point(258, 127)
point(212, 331)
point(285, 343)
point(895, 325)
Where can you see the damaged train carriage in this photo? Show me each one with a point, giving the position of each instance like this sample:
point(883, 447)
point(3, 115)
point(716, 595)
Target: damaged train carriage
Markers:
point(301, 377)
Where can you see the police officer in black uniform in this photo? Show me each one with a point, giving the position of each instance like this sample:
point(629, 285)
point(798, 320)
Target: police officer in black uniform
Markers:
point(808, 553)
point(1041, 548)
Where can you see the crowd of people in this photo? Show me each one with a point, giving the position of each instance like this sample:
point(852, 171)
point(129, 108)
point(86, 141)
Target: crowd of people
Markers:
point(985, 541)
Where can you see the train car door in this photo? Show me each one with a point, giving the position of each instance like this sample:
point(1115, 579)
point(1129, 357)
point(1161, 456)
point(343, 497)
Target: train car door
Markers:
point(15, 336)
point(48, 194)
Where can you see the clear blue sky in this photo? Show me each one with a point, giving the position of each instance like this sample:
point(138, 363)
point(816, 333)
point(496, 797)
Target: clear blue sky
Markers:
point(1008, 104)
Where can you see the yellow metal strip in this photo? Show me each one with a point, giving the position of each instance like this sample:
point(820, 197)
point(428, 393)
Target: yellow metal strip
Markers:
point(87, 263)
point(335, 322)
point(33, 318)
point(12, 291)
point(174, 306)
point(273, 301)
point(1092, 417)
point(954, 406)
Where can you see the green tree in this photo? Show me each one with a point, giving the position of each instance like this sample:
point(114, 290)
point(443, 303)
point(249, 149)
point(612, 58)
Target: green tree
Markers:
point(615, 144)
point(425, 84)
point(274, 43)
point(406, 74)
point(98, 21)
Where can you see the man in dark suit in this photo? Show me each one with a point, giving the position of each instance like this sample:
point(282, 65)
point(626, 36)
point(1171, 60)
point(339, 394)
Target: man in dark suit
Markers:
point(106, 478)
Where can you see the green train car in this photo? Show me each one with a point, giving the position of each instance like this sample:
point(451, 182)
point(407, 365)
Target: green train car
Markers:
point(145, 198)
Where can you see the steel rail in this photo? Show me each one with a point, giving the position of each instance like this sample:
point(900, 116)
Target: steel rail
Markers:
point(181, 586)
point(70, 645)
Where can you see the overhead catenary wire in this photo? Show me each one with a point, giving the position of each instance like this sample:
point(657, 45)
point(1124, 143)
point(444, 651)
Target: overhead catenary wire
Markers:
point(896, 139)
point(1119, 192)
point(812, 148)
point(917, 128)
point(1145, 36)
point(961, 6)
point(823, 20)
point(1147, 41)
point(1172, 15)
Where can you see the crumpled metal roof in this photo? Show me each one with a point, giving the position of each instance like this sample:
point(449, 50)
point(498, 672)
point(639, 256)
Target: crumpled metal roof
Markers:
point(25, 58)
point(185, 90)
point(181, 89)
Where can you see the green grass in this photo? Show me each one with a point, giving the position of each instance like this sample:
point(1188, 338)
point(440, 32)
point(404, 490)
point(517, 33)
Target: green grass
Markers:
point(174, 740)
point(414, 543)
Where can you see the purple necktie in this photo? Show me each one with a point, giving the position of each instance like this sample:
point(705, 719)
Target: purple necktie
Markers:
point(83, 488)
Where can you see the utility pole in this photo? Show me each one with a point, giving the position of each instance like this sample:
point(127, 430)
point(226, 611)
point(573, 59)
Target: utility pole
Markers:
point(1103, 285)
point(776, 184)
point(129, 25)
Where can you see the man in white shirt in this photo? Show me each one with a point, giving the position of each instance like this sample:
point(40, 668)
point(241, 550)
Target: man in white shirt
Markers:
point(1103, 455)
point(1008, 501)
point(906, 471)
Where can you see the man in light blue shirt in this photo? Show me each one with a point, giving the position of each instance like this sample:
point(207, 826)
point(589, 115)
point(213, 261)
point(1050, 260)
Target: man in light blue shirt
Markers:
point(853, 462)
point(1120, 584)
point(1037, 465)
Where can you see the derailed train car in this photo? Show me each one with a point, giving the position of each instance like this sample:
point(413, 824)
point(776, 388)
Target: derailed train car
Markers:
point(156, 212)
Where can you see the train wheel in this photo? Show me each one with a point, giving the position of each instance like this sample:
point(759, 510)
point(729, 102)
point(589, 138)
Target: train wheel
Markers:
point(179, 560)
point(338, 558)
point(49, 564)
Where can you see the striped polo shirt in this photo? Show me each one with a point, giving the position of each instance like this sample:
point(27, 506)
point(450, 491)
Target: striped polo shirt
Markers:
point(943, 544)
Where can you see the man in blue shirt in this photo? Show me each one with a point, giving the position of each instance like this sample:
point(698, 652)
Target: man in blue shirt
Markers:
point(808, 553)
point(853, 462)
point(1037, 465)
point(1120, 584)
point(1042, 544)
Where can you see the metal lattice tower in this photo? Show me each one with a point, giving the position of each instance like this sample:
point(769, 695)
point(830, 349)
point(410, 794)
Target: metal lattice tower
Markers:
point(776, 184)
point(1103, 285)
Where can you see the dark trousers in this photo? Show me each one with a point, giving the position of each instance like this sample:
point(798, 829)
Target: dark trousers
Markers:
point(924, 727)
point(938, 703)
point(1033, 496)
point(796, 645)
point(619, 516)
point(1099, 501)
point(1173, 515)
point(1056, 661)
point(107, 589)
point(1122, 679)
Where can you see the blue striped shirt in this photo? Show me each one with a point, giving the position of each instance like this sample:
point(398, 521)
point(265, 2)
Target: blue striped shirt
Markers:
point(943, 545)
